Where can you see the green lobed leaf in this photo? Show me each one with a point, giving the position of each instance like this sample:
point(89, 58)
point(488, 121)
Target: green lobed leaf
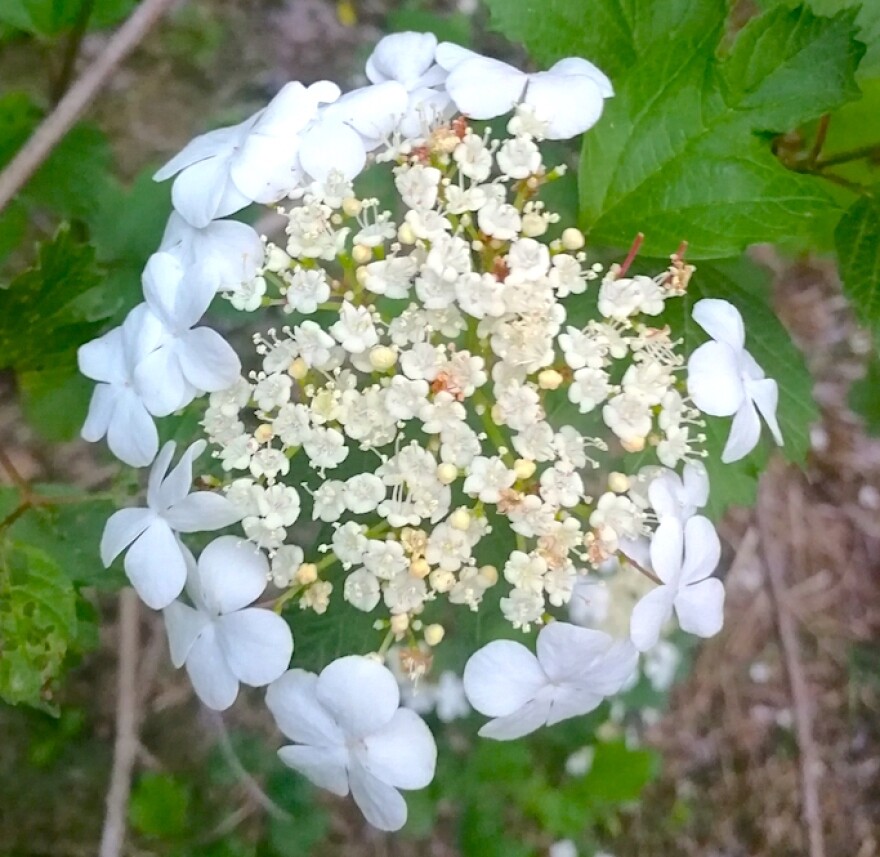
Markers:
point(858, 251)
point(37, 623)
point(864, 398)
point(682, 150)
point(43, 316)
point(612, 33)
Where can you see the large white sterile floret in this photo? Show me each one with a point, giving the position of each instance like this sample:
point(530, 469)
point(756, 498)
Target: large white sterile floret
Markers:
point(350, 735)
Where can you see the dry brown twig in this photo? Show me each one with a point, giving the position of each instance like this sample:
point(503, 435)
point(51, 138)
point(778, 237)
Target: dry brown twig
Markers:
point(78, 97)
point(125, 749)
point(775, 523)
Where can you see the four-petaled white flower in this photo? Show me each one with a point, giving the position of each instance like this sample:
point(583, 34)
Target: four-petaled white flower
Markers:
point(683, 556)
point(222, 171)
point(156, 560)
point(350, 734)
point(567, 99)
point(190, 359)
point(117, 408)
point(724, 379)
point(221, 640)
point(574, 670)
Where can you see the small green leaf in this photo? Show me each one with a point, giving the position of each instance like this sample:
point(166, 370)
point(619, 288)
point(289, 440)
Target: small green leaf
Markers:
point(617, 774)
point(55, 402)
point(864, 397)
point(53, 17)
point(858, 251)
point(37, 623)
point(43, 313)
point(159, 806)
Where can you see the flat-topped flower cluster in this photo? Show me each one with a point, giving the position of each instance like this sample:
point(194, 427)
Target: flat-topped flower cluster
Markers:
point(446, 384)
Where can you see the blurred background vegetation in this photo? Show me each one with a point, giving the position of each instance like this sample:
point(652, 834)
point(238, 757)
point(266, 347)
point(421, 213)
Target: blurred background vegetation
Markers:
point(713, 767)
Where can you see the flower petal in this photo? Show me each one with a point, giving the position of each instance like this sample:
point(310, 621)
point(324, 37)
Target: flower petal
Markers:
point(695, 480)
point(613, 670)
point(204, 191)
point(571, 702)
point(326, 767)
point(700, 607)
point(121, 529)
point(156, 566)
point(202, 512)
point(649, 616)
point(402, 753)
point(213, 144)
point(721, 320)
point(529, 717)
point(207, 360)
point(257, 644)
point(232, 574)
point(361, 694)
point(584, 68)
point(160, 382)
point(131, 434)
point(563, 649)
point(293, 701)
point(745, 432)
point(158, 472)
point(183, 625)
point(382, 805)
point(101, 408)
point(667, 547)
point(373, 111)
point(328, 146)
point(713, 379)
point(702, 550)
point(765, 395)
point(501, 677)
point(484, 88)
point(449, 55)
point(102, 358)
point(403, 57)
point(570, 104)
point(213, 681)
point(175, 486)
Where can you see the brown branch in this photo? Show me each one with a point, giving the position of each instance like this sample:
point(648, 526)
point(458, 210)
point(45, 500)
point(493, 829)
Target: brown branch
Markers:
point(125, 750)
point(774, 521)
point(81, 94)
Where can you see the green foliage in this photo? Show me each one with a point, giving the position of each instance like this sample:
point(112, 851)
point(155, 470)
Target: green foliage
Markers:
point(159, 806)
point(52, 17)
point(864, 396)
point(44, 313)
point(38, 623)
point(858, 251)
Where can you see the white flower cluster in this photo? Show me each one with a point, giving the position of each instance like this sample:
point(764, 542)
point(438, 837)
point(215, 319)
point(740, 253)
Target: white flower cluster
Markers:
point(445, 385)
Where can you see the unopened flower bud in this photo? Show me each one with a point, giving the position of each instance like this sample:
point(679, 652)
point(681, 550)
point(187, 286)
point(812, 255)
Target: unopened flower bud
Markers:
point(524, 468)
point(549, 379)
point(264, 433)
point(573, 239)
point(634, 444)
point(361, 254)
point(307, 573)
point(405, 234)
point(618, 482)
point(298, 369)
point(419, 568)
point(352, 206)
point(460, 519)
point(399, 623)
point(533, 225)
point(382, 358)
point(276, 259)
point(434, 634)
point(442, 580)
point(447, 473)
point(489, 574)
